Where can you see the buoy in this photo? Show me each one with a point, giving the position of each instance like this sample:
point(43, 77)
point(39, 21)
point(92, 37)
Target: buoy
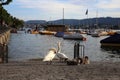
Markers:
point(84, 39)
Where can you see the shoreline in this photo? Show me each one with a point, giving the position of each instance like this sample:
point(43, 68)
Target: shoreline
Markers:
point(38, 70)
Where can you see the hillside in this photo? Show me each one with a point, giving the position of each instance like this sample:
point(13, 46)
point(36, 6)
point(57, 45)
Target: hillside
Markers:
point(102, 22)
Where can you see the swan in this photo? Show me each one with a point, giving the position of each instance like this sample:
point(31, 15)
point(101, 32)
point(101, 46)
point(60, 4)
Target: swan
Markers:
point(50, 55)
point(60, 55)
point(53, 52)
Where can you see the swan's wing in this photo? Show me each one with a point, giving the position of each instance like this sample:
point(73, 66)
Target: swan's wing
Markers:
point(61, 55)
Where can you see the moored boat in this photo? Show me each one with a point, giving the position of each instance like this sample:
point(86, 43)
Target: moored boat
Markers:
point(13, 31)
point(34, 32)
point(113, 40)
point(47, 32)
point(96, 34)
point(59, 34)
point(74, 36)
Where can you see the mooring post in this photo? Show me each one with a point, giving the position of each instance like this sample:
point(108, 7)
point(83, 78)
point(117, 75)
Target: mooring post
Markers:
point(82, 51)
point(2, 54)
point(78, 50)
point(6, 53)
point(75, 50)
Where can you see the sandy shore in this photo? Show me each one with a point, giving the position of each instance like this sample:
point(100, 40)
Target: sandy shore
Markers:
point(38, 70)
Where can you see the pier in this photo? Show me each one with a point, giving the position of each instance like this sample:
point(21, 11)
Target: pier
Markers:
point(4, 39)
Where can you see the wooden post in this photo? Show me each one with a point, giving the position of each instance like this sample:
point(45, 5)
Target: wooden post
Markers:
point(82, 51)
point(1, 53)
point(76, 50)
point(5, 53)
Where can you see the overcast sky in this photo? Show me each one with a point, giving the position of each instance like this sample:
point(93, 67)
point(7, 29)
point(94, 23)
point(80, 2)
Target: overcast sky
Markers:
point(53, 9)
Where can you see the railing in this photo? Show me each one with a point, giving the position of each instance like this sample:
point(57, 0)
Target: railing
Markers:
point(79, 51)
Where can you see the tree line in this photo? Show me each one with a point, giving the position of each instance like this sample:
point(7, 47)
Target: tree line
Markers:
point(7, 19)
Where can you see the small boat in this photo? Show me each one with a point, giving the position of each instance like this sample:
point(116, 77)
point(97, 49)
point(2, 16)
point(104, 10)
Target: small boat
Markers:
point(47, 32)
point(103, 33)
point(95, 34)
point(113, 40)
point(34, 32)
point(59, 34)
point(13, 31)
point(111, 32)
point(74, 36)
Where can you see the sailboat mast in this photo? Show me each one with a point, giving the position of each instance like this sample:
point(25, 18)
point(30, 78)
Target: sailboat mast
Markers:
point(97, 19)
point(63, 16)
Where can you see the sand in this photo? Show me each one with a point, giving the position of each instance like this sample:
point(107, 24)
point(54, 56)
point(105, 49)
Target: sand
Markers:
point(38, 70)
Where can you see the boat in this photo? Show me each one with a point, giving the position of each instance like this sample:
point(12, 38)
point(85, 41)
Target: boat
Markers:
point(34, 32)
point(74, 36)
point(59, 34)
point(95, 34)
point(113, 40)
point(111, 32)
point(103, 33)
point(47, 32)
point(13, 31)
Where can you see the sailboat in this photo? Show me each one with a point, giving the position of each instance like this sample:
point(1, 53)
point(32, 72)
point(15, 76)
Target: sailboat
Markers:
point(96, 33)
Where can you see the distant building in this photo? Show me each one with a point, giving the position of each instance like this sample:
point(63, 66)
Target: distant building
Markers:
point(62, 28)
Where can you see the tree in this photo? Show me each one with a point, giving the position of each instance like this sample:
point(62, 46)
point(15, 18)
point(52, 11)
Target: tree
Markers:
point(7, 18)
point(5, 2)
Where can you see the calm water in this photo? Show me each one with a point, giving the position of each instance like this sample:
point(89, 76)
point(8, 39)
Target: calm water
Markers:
point(31, 46)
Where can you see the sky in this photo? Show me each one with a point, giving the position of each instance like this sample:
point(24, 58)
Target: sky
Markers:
point(53, 9)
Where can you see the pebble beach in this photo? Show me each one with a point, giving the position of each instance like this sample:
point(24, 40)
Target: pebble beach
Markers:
point(39, 70)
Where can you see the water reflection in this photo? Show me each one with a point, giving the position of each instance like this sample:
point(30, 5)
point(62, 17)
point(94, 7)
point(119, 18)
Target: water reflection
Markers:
point(113, 50)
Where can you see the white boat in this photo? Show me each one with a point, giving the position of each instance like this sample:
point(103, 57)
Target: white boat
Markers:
point(74, 36)
point(95, 34)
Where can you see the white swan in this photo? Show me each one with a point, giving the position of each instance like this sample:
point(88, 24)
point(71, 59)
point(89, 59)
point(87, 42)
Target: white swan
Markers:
point(50, 55)
point(60, 55)
point(53, 52)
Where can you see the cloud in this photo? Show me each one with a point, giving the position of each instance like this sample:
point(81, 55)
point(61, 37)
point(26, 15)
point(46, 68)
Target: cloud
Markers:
point(44, 9)
point(109, 4)
point(53, 7)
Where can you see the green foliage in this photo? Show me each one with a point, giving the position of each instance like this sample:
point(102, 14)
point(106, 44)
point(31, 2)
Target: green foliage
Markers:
point(8, 19)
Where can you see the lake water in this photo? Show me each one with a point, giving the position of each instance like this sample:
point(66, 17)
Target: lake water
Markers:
point(32, 46)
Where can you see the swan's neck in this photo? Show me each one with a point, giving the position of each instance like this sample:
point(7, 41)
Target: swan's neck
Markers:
point(59, 48)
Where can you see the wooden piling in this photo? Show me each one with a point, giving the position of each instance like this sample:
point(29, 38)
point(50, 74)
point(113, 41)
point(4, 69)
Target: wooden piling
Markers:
point(4, 39)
